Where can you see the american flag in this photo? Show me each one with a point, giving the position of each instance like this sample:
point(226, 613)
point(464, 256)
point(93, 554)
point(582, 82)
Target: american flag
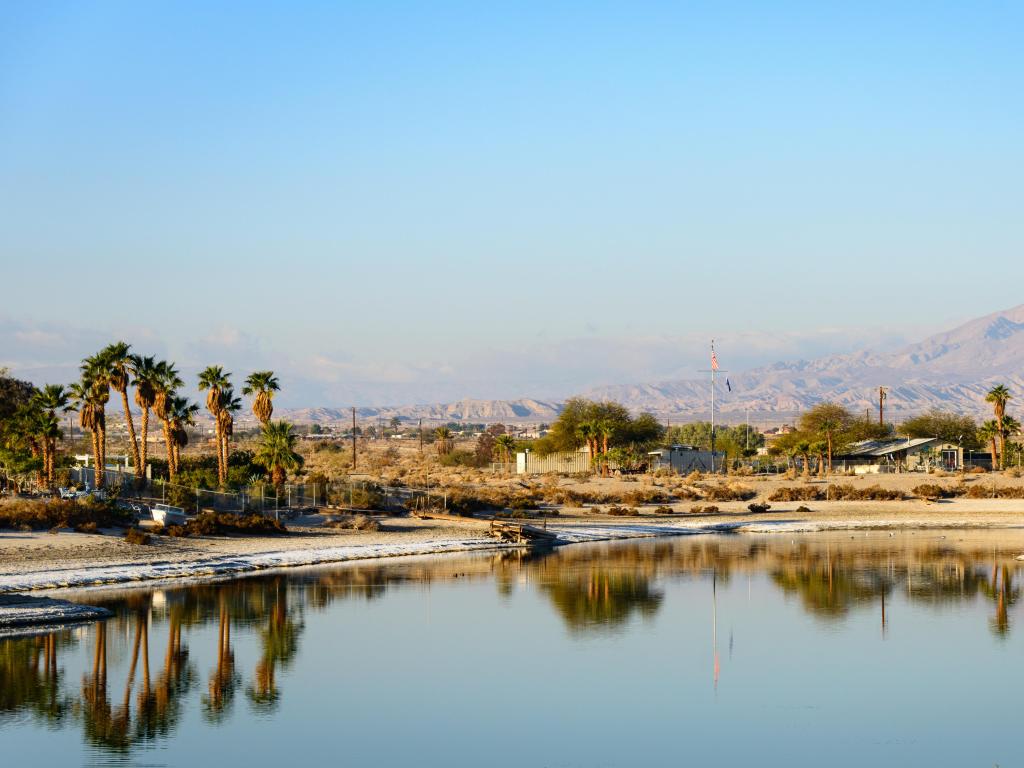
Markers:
point(714, 361)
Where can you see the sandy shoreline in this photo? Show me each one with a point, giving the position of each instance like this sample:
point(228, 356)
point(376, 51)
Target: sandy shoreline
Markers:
point(39, 561)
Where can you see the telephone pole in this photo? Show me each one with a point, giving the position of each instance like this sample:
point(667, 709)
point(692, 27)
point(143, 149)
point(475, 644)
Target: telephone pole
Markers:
point(421, 434)
point(881, 406)
point(353, 438)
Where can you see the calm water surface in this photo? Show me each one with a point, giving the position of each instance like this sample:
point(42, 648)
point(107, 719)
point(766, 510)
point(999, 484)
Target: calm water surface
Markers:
point(834, 650)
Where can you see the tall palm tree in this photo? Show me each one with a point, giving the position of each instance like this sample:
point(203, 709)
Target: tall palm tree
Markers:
point(83, 395)
point(213, 381)
point(229, 406)
point(147, 375)
point(166, 384)
point(120, 368)
point(51, 399)
point(96, 369)
point(999, 396)
point(277, 452)
point(183, 414)
point(262, 385)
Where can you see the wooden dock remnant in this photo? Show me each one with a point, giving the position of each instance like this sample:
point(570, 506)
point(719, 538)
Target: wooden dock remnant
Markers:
point(520, 533)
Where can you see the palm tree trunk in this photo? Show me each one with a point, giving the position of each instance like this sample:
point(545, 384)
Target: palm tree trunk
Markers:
point(830, 454)
point(171, 469)
point(97, 472)
point(220, 450)
point(131, 430)
point(140, 470)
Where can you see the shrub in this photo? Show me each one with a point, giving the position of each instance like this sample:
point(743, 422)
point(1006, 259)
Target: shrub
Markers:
point(729, 492)
point(89, 527)
point(758, 508)
point(39, 515)
point(936, 491)
point(623, 511)
point(222, 523)
point(136, 536)
point(795, 493)
point(977, 470)
point(803, 509)
point(663, 510)
point(708, 509)
point(354, 522)
point(638, 496)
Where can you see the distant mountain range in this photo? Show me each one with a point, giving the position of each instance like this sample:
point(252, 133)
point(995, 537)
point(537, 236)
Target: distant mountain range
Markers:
point(951, 370)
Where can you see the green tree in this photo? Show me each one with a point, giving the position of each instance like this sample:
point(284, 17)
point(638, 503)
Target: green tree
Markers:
point(948, 427)
point(990, 432)
point(277, 451)
point(828, 422)
point(166, 383)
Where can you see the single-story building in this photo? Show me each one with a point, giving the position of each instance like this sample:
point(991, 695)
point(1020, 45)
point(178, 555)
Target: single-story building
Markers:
point(563, 462)
point(685, 459)
point(917, 454)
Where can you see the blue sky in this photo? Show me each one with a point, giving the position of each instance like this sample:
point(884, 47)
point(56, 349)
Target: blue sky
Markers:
point(421, 201)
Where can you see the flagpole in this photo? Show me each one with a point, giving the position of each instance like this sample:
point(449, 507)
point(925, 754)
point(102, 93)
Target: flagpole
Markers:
point(713, 408)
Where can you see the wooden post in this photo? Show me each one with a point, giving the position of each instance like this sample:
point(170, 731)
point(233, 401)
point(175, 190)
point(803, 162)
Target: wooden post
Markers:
point(353, 439)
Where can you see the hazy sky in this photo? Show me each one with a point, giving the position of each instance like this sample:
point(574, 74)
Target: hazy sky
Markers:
point(419, 201)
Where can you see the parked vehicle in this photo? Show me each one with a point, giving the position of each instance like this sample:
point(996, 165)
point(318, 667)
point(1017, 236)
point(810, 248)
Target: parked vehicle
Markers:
point(165, 514)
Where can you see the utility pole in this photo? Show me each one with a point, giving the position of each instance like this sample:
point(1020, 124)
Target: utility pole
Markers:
point(881, 406)
point(421, 434)
point(353, 438)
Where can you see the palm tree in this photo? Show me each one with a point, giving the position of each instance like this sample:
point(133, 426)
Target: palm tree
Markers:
point(262, 385)
point(120, 366)
point(90, 416)
point(96, 369)
point(1011, 428)
point(506, 444)
point(990, 432)
point(147, 376)
point(277, 452)
point(229, 406)
point(999, 396)
point(183, 414)
point(165, 385)
point(803, 447)
point(51, 399)
point(444, 440)
point(213, 380)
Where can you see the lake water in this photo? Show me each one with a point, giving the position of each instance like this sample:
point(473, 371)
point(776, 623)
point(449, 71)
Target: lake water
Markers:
point(837, 650)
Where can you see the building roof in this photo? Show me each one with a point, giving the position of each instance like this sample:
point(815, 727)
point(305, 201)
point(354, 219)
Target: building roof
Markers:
point(880, 448)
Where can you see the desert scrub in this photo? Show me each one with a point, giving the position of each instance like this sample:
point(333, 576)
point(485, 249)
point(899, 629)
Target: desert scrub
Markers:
point(39, 515)
point(758, 508)
point(663, 510)
point(728, 492)
point(796, 493)
point(617, 511)
point(639, 496)
point(223, 523)
point(936, 491)
point(137, 536)
point(354, 522)
point(705, 509)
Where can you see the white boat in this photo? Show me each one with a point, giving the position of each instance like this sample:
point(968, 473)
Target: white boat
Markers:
point(165, 514)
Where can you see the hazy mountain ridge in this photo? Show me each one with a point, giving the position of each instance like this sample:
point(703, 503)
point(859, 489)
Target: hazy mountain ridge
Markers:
point(950, 370)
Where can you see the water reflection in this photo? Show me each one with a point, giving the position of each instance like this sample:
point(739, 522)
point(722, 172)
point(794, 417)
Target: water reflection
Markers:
point(138, 679)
